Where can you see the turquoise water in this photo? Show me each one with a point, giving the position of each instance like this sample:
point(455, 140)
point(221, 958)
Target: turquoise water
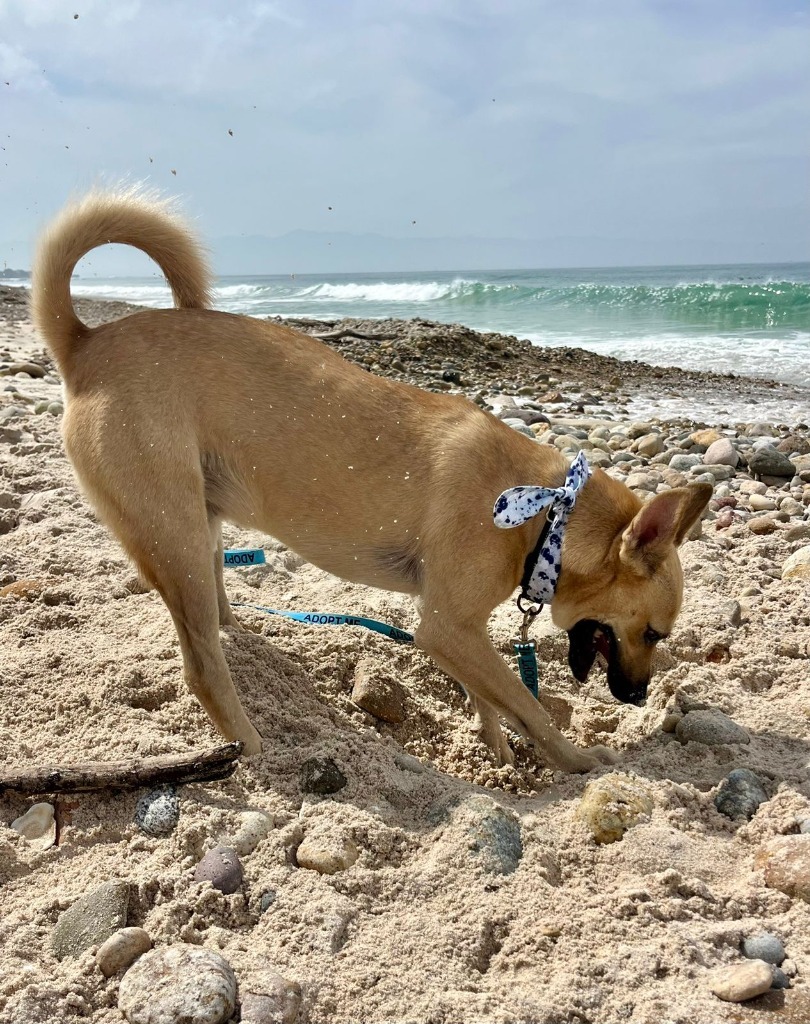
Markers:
point(750, 319)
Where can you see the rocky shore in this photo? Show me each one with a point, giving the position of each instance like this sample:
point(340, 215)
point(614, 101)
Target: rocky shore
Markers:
point(373, 864)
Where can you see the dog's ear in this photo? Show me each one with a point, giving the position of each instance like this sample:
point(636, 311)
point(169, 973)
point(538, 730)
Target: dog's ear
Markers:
point(662, 522)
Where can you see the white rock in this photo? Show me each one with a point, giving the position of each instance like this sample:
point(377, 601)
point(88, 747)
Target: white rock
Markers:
point(255, 826)
point(742, 981)
point(761, 503)
point(797, 564)
point(37, 825)
point(121, 950)
point(178, 983)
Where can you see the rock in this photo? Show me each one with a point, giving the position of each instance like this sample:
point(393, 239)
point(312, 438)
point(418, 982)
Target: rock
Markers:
point(721, 453)
point(765, 947)
point(613, 804)
point(780, 979)
point(91, 919)
point(711, 727)
point(786, 860)
point(321, 775)
point(158, 811)
point(327, 851)
point(794, 443)
point(222, 868)
point(380, 695)
point(122, 949)
point(798, 531)
point(761, 526)
point(32, 369)
point(267, 998)
point(796, 564)
point(37, 825)
point(731, 611)
point(649, 445)
point(725, 518)
point(707, 437)
point(683, 463)
point(740, 794)
point(28, 590)
point(267, 900)
point(493, 834)
point(742, 981)
point(178, 983)
point(255, 826)
point(761, 503)
point(640, 481)
point(761, 430)
point(768, 461)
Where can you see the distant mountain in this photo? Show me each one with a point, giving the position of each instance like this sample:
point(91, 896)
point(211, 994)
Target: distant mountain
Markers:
point(8, 272)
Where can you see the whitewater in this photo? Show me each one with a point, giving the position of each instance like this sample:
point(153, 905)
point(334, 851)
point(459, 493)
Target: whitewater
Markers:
point(744, 319)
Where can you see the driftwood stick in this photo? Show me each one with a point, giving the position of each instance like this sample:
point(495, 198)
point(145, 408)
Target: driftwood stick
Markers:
point(348, 332)
point(196, 766)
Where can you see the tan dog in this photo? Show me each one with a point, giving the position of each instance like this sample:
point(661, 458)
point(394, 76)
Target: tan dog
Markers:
point(178, 419)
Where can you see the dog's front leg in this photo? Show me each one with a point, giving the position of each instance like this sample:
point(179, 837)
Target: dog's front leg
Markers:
point(464, 651)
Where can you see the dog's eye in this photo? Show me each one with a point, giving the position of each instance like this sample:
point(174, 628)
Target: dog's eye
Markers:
point(652, 636)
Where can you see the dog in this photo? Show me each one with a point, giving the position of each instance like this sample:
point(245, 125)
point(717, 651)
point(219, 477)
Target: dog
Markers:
point(181, 418)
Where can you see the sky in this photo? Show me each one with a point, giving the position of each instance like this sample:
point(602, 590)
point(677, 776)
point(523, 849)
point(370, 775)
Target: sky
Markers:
point(578, 133)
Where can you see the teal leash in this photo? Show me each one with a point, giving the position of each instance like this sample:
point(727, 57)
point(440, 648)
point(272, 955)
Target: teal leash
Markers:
point(525, 649)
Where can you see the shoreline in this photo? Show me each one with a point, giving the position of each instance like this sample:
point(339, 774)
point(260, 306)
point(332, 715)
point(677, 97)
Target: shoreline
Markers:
point(495, 874)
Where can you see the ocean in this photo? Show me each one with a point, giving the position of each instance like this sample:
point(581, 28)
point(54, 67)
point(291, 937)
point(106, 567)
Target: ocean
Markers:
point(746, 319)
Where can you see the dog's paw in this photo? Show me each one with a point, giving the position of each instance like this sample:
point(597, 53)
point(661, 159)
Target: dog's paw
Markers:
point(604, 755)
point(251, 743)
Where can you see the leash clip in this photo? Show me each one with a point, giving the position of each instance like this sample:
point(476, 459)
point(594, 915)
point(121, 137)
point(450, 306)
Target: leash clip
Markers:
point(525, 649)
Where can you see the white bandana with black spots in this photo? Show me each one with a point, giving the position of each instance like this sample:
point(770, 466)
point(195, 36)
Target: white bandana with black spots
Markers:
point(520, 504)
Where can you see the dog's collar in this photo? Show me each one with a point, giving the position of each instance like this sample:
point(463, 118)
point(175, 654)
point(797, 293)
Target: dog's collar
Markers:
point(518, 505)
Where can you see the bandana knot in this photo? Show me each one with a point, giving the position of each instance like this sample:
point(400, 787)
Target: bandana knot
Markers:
point(518, 505)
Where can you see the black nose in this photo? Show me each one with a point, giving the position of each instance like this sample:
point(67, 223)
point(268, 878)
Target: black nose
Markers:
point(626, 690)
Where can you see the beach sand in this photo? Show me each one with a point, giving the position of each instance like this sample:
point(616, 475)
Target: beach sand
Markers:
point(444, 916)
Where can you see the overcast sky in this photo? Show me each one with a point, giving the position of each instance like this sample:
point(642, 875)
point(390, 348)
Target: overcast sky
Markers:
point(644, 130)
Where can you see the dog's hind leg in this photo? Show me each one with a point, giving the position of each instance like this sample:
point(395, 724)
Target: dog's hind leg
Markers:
point(157, 510)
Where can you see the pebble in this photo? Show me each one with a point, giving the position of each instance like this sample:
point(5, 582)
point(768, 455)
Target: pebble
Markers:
point(37, 825)
point(711, 727)
point(761, 526)
point(613, 804)
point(742, 981)
point(740, 794)
point(649, 445)
point(256, 825)
point(682, 463)
point(327, 852)
point(380, 695)
point(764, 946)
point(122, 949)
point(780, 979)
point(761, 503)
point(493, 834)
point(32, 369)
point(320, 775)
point(178, 983)
point(797, 565)
point(222, 868)
point(786, 860)
point(158, 811)
point(267, 998)
point(798, 531)
point(707, 436)
point(721, 453)
point(28, 590)
point(91, 920)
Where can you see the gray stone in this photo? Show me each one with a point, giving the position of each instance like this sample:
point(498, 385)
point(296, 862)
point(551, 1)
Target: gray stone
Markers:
point(721, 453)
point(780, 979)
point(158, 811)
point(178, 984)
point(768, 461)
point(740, 794)
point(764, 946)
point(320, 775)
point(682, 463)
point(710, 727)
point(493, 834)
point(91, 920)
point(222, 868)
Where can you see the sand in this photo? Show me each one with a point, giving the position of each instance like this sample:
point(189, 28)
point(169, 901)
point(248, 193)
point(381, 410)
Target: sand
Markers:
point(419, 929)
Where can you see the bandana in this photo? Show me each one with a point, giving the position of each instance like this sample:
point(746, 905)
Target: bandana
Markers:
point(520, 504)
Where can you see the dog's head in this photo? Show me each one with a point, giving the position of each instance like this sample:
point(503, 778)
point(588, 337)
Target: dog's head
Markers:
point(621, 583)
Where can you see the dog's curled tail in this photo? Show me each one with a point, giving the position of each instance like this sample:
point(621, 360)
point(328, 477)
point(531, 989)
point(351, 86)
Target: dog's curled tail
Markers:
point(131, 216)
